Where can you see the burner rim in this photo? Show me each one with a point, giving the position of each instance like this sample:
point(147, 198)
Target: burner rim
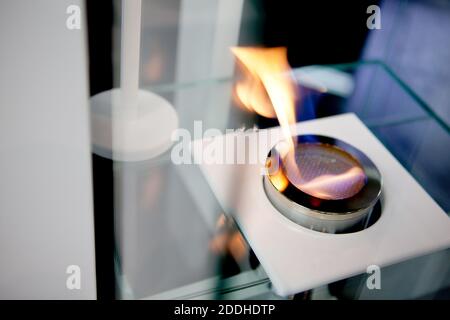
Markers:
point(320, 208)
point(303, 210)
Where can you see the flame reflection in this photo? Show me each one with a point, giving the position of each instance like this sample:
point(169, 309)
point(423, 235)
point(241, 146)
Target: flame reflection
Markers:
point(228, 240)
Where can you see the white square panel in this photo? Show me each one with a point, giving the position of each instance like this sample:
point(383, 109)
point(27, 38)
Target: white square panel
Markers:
point(298, 259)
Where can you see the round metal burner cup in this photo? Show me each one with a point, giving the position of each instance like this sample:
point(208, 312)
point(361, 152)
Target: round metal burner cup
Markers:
point(325, 185)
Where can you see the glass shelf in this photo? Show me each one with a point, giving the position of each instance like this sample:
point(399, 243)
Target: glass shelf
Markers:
point(174, 241)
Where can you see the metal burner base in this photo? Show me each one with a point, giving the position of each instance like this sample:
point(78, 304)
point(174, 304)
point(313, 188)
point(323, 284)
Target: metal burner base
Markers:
point(336, 214)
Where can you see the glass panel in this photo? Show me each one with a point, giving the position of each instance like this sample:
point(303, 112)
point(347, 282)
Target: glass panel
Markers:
point(182, 246)
point(173, 239)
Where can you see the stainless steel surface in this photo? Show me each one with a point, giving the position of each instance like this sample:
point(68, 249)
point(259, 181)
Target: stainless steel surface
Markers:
point(337, 215)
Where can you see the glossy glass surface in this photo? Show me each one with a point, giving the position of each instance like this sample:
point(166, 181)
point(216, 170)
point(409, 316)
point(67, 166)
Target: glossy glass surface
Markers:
point(173, 238)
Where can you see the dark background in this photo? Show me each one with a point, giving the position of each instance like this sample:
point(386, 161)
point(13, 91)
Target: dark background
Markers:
point(315, 32)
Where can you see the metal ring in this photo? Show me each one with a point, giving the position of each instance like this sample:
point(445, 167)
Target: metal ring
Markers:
point(323, 214)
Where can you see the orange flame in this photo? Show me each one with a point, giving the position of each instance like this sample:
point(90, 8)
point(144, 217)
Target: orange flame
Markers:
point(277, 176)
point(266, 87)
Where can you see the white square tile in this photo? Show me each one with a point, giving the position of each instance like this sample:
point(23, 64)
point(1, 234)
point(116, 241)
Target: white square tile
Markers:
point(298, 259)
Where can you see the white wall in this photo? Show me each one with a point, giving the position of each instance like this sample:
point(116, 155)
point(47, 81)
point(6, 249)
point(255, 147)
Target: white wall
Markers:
point(46, 211)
